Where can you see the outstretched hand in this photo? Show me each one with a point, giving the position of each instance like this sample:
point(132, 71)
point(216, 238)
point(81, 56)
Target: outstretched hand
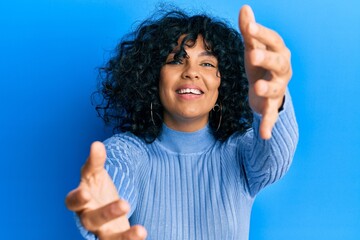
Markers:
point(97, 203)
point(268, 68)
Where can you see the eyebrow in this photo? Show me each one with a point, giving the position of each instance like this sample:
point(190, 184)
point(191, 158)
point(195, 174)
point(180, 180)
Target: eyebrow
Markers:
point(202, 54)
point(206, 54)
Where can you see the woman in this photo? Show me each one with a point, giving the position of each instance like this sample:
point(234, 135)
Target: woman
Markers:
point(198, 137)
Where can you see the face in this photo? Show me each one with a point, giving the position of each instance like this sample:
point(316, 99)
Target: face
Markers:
point(189, 87)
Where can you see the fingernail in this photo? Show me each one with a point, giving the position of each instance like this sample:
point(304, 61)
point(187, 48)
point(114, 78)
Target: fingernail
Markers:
point(119, 208)
point(115, 209)
point(259, 56)
point(269, 133)
point(253, 28)
point(263, 88)
point(141, 231)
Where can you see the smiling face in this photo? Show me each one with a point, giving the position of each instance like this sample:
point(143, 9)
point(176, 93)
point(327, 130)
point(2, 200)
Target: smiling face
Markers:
point(189, 87)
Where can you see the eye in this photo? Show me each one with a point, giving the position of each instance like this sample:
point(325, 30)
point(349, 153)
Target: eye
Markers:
point(206, 64)
point(174, 62)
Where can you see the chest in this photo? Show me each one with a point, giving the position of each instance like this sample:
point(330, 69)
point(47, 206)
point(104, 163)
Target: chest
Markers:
point(185, 195)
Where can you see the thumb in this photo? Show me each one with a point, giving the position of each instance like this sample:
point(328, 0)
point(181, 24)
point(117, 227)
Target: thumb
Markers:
point(248, 27)
point(246, 16)
point(269, 118)
point(96, 160)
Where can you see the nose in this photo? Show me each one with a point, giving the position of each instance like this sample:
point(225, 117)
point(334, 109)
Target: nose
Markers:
point(190, 71)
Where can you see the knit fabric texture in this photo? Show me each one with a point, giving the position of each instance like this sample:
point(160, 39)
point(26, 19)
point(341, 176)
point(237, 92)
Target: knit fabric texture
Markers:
point(191, 186)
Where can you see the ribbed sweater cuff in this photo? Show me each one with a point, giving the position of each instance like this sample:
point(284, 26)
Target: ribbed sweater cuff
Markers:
point(286, 111)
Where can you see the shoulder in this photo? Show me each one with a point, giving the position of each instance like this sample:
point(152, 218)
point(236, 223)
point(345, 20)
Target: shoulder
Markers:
point(125, 145)
point(124, 139)
point(240, 140)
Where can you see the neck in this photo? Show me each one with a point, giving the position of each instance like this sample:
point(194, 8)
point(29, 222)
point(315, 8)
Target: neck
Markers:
point(186, 125)
point(186, 142)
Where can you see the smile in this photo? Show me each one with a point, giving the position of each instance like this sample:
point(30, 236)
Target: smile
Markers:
point(189, 91)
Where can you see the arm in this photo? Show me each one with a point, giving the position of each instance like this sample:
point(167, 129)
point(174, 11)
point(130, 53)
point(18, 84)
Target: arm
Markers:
point(270, 146)
point(97, 204)
point(268, 69)
point(266, 161)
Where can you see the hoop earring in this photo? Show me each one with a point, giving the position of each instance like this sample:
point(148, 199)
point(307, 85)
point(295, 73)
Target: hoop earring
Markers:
point(151, 114)
point(218, 108)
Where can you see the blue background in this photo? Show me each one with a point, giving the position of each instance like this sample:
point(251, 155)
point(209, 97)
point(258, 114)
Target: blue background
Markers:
point(49, 52)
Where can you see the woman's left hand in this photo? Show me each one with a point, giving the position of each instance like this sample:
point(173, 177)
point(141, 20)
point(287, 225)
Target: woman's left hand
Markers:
point(268, 69)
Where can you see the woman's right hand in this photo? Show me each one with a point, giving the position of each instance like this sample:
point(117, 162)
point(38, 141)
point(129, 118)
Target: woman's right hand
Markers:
point(97, 203)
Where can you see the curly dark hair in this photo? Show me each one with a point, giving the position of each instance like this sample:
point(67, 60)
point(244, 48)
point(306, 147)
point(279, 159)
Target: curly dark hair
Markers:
point(129, 83)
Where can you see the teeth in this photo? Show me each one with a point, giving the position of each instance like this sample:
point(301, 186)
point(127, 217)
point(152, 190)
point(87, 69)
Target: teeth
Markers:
point(189, 90)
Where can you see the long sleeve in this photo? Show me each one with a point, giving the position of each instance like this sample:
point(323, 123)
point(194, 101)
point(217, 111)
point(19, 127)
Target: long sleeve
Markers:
point(123, 152)
point(191, 186)
point(265, 161)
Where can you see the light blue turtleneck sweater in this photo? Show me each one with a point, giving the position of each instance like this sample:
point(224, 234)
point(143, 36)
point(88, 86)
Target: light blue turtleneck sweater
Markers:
point(191, 186)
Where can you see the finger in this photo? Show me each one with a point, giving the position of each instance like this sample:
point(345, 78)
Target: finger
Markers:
point(134, 233)
point(246, 16)
point(272, 61)
point(77, 199)
point(269, 89)
point(96, 160)
point(269, 118)
point(271, 39)
point(94, 219)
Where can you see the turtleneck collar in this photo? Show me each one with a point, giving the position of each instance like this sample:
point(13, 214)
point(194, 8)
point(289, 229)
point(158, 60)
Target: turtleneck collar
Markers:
point(186, 142)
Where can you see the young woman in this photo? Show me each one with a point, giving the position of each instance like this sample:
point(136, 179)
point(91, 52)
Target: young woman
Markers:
point(205, 122)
